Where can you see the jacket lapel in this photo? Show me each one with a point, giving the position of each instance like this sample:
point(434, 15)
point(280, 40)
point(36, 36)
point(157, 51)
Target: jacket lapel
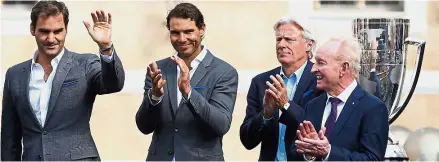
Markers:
point(348, 108)
point(201, 69)
point(276, 113)
point(24, 82)
point(171, 81)
point(304, 82)
point(199, 72)
point(64, 66)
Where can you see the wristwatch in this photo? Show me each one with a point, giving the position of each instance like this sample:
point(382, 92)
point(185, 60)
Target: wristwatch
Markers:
point(286, 105)
point(310, 158)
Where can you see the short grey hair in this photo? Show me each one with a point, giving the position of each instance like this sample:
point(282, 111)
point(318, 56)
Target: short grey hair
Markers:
point(349, 49)
point(306, 34)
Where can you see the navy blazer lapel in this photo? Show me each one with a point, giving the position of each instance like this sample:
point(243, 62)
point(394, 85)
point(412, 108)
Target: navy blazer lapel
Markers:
point(201, 69)
point(24, 82)
point(170, 74)
point(64, 66)
point(348, 108)
point(305, 81)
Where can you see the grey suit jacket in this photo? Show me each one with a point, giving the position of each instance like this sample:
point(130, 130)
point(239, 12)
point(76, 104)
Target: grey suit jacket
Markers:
point(192, 130)
point(66, 135)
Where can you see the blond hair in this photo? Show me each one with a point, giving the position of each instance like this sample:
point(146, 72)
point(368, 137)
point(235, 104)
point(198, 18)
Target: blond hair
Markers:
point(306, 34)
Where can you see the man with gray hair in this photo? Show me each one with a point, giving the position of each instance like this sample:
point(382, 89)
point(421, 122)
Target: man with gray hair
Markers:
point(346, 123)
point(276, 97)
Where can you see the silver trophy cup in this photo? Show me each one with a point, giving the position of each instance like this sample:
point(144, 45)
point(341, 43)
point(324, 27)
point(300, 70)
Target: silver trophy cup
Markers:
point(384, 44)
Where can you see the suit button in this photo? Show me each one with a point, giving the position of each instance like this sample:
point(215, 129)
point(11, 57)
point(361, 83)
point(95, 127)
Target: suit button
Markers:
point(176, 129)
point(44, 132)
point(40, 157)
point(170, 153)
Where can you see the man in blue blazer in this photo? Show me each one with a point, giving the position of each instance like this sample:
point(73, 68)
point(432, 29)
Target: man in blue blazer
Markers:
point(275, 98)
point(352, 124)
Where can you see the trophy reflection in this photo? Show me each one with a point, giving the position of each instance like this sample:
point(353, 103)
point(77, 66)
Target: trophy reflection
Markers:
point(384, 44)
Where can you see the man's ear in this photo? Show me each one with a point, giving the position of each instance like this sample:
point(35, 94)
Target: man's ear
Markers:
point(32, 29)
point(344, 68)
point(309, 44)
point(202, 30)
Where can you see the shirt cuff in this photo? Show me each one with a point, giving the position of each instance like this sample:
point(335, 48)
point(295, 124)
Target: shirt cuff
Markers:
point(266, 121)
point(154, 100)
point(106, 58)
point(188, 96)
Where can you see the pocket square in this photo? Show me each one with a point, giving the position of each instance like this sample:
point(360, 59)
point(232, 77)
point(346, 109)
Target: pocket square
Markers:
point(199, 87)
point(307, 93)
point(69, 83)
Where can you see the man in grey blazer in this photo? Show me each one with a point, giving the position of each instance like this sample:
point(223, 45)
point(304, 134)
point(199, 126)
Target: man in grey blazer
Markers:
point(189, 97)
point(48, 100)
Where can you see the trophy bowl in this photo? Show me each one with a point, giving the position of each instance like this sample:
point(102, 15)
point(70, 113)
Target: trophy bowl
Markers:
point(422, 144)
point(384, 44)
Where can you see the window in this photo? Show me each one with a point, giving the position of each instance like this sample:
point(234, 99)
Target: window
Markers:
point(27, 3)
point(360, 5)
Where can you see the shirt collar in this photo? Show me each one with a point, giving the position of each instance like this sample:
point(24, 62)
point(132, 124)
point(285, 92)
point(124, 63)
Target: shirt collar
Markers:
point(202, 54)
point(199, 58)
point(298, 72)
point(343, 96)
point(54, 60)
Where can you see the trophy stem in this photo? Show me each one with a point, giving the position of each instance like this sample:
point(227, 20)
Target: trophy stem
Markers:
point(394, 151)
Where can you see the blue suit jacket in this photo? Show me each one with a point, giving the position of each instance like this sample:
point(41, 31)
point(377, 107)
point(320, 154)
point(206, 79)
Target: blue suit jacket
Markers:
point(253, 131)
point(361, 130)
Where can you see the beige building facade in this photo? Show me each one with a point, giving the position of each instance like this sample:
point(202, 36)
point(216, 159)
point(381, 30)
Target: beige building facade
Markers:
point(239, 32)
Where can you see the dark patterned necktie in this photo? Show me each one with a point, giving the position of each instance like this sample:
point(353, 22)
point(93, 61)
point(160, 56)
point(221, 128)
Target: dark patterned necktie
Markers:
point(330, 122)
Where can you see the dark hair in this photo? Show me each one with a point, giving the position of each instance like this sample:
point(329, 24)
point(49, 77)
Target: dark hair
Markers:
point(186, 11)
point(49, 8)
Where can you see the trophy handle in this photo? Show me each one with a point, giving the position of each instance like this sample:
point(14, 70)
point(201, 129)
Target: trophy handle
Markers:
point(420, 56)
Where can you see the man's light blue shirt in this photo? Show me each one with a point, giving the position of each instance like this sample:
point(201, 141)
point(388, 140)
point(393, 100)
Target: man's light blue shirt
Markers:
point(291, 83)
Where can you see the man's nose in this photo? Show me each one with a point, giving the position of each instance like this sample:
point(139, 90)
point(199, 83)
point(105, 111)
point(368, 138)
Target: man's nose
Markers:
point(314, 69)
point(51, 38)
point(182, 38)
point(282, 43)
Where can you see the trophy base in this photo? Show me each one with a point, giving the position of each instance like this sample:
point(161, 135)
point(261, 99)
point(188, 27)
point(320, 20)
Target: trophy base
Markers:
point(395, 152)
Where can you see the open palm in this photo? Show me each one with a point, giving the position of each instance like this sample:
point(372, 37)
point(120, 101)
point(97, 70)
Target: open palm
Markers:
point(101, 30)
point(307, 130)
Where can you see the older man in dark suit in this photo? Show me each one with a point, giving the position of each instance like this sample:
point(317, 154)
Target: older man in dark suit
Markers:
point(346, 123)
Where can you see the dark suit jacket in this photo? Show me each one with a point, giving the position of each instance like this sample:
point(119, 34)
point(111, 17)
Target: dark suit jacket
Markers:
point(253, 131)
point(361, 130)
point(192, 130)
point(66, 134)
